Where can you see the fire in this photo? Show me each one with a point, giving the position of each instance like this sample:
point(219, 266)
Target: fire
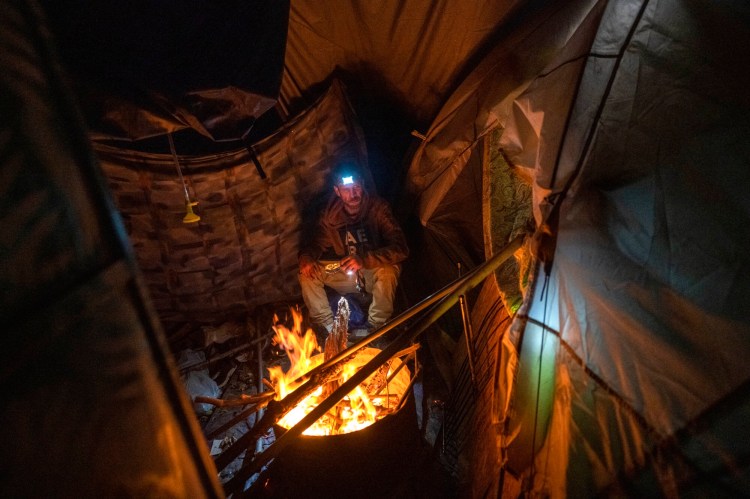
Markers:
point(370, 401)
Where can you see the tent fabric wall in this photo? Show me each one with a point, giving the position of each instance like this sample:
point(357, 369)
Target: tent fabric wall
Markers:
point(92, 405)
point(243, 251)
point(483, 101)
point(651, 274)
point(631, 355)
point(390, 47)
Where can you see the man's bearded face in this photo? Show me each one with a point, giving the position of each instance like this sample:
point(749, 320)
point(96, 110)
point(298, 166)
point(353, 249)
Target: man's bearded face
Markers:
point(351, 196)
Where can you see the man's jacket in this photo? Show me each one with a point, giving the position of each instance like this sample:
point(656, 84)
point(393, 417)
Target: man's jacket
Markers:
point(373, 234)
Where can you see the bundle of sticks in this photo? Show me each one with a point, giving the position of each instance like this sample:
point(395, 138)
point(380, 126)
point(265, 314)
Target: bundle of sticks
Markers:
point(339, 335)
point(336, 340)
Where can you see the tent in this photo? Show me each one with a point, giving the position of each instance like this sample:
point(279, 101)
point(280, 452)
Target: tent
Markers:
point(608, 355)
point(625, 365)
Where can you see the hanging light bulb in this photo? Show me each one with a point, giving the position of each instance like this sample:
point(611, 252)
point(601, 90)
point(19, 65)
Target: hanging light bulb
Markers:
point(190, 216)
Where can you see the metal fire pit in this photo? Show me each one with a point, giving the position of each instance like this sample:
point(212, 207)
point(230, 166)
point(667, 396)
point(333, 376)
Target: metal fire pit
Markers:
point(371, 462)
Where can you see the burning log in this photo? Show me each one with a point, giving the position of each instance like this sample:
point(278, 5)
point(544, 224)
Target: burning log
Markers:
point(276, 409)
point(357, 409)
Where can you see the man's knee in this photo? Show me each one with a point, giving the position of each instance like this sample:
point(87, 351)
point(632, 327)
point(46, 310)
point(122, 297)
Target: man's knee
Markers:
point(385, 281)
point(387, 273)
point(310, 285)
point(305, 280)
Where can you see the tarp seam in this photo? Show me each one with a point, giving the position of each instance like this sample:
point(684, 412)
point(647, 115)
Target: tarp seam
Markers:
point(595, 377)
point(600, 109)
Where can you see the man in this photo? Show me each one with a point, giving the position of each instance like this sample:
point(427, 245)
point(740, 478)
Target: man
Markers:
point(357, 246)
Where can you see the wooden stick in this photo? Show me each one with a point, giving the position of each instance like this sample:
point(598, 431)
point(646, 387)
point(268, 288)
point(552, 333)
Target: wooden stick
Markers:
point(263, 398)
point(241, 416)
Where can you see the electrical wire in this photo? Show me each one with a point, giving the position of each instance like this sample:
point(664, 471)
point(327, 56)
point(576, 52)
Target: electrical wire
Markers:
point(177, 165)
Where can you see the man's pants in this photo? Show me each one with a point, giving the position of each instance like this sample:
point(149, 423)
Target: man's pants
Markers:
point(381, 282)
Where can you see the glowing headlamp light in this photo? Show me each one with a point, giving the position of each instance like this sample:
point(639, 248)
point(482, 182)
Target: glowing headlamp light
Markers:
point(347, 180)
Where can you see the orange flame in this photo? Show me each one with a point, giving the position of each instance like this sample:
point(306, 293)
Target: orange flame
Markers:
point(357, 410)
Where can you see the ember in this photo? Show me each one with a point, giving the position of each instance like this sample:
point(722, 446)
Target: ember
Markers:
point(372, 400)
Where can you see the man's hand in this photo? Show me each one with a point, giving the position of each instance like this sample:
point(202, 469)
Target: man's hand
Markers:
point(309, 267)
point(351, 263)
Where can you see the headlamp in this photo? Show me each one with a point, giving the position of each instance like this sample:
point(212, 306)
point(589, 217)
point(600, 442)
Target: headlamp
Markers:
point(347, 180)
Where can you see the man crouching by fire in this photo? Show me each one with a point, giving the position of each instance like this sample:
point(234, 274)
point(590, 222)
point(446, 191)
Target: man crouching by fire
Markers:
point(356, 247)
